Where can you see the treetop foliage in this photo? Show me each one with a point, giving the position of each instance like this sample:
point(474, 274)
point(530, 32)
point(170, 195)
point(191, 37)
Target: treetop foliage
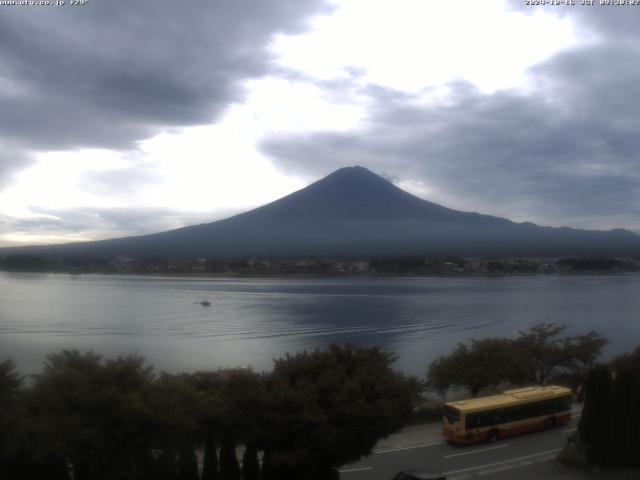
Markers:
point(332, 406)
point(116, 418)
point(534, 357)
point(10, 382)
point(628, 362)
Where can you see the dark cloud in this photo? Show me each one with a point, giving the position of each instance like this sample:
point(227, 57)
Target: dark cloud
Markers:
point(565, 153)
point(12, 159)
point(110, 73)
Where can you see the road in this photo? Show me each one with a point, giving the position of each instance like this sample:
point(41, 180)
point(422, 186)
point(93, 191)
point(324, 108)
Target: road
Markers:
point(526, 457)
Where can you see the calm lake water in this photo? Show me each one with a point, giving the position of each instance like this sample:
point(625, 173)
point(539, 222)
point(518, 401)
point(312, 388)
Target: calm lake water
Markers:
point(253, 321)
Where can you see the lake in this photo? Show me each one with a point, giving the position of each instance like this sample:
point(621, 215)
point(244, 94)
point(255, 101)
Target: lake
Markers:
point(252, 321)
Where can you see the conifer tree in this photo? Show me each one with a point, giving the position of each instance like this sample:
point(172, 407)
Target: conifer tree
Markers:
point(599, 442)
point(188, 464)
point(229, 467)
point(621, 436)
point(250, 463)
point(594, 428)
point(12, 418)
point(210, 460)
point(634, 421)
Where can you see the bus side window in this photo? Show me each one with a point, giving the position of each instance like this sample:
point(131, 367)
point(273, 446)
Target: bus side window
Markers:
point(537, 409)
point(489, 418)
point(522, 412)
point(563, 403)
point(497, 416)
point(550, 406)
point(478, 420)
point(544, 407)
point(510, 414)
point(506, 415)
point(471, 420)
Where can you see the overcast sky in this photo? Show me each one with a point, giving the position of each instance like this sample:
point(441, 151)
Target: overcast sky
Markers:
point(124, 117)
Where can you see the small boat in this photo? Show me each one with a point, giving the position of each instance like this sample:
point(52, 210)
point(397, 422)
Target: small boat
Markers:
point(205, 303)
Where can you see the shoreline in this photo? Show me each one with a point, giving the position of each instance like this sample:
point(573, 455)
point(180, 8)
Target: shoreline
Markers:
point(231, 275)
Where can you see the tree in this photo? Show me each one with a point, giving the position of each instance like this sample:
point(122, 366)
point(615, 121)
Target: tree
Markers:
point(64, 397)
point(593, 428)
point(622, 435)
point(542, 353)
point(210, 411)
point(210, 459)
point(188, 464)
point(99, 415)
point(484, 364)
point(10, 390)
point(174, 404)
point(24, 263)
point(17, 456)
point(627, 362)
point(10, 383)
point(229, 466)
point(232, 403)
point(250, 463)
point(241, 406)
point(327, 408)
point(537, 355)
point(12, 421)
point(609, 428)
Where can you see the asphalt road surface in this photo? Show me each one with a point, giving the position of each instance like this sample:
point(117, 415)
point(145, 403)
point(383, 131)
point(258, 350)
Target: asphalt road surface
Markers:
point(525, 457)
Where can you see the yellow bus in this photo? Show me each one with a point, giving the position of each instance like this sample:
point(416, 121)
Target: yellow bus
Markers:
point(511, 413)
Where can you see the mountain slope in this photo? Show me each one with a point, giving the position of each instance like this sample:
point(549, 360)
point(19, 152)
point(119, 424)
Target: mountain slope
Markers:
point(354, 212)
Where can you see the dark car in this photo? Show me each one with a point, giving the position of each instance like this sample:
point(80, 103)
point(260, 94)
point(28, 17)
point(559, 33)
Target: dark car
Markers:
point(419, 475)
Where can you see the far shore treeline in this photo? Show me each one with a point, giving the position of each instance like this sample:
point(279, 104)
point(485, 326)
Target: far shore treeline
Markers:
point(381, 265)
point(88, 417)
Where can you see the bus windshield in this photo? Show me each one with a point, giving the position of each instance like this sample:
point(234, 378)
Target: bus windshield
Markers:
point(451, 413)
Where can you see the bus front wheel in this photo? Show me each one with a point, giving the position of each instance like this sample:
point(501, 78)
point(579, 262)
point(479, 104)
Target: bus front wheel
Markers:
point(493, 436)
